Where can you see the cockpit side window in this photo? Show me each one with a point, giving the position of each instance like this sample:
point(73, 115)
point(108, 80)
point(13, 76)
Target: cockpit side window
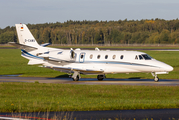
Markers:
point(146, 57)
point(140, 57)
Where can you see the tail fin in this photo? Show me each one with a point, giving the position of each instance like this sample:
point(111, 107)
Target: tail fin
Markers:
point(25, 37)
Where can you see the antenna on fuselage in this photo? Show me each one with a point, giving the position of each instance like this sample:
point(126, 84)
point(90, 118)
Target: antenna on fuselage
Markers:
point(97, 49)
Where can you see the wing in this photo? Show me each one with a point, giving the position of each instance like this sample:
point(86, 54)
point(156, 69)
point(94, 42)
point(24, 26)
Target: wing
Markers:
point(83, 71)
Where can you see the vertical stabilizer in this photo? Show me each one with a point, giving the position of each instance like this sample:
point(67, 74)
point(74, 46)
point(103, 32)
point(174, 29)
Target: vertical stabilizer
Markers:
point(25, 37)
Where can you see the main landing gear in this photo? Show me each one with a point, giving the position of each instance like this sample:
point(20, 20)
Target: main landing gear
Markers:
point(101, 77)
point(76, 76)
point(156, 79)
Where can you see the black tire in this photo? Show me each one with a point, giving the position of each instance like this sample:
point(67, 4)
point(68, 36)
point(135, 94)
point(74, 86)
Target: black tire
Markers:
point(76, 79)
point(100, 77)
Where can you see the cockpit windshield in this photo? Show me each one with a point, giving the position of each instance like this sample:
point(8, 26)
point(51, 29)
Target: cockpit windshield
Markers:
point(146, 57)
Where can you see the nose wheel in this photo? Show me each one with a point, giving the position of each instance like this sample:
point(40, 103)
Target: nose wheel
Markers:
point(156, 79)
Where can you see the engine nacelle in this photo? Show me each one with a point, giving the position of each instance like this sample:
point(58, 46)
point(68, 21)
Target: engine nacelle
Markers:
point(59, 56)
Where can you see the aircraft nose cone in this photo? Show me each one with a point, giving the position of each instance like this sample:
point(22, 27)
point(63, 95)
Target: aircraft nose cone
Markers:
point(168, 68)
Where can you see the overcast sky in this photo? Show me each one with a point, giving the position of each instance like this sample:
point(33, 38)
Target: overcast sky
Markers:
point(45, 11)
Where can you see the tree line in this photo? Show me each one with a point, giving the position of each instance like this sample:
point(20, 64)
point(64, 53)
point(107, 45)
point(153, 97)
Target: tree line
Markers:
point(152, 31)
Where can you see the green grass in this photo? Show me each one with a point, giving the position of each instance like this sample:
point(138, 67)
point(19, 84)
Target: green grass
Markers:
point(11, 62)
point(35, 97)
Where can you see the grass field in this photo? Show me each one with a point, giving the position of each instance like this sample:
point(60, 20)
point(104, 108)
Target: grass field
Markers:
point(35, 97)
point(12, 63)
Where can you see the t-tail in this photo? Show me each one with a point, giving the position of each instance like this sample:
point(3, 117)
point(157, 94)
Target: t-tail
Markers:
point(30, 49)
point(25, 37)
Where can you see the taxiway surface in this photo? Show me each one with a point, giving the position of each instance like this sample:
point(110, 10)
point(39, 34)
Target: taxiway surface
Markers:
point(158, 114)
point(93, 81)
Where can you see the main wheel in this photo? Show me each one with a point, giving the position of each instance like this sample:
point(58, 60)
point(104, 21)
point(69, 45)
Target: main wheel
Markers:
point(76, 79)
point(100, 77)
point(156, 79)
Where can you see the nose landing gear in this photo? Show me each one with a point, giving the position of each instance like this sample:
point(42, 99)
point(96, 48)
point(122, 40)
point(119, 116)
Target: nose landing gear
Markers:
point(156, 79)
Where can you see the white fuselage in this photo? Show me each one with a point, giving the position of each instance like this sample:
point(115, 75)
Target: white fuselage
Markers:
point(104, 61)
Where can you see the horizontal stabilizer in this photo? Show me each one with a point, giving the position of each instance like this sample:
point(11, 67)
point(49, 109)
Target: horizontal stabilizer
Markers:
point(35, 62)
point(24, 47)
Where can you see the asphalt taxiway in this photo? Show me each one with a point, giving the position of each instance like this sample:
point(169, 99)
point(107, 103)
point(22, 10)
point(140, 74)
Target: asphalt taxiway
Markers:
point(153, 114)
point(92, 81)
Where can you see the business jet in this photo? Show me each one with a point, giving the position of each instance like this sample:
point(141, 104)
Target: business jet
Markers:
point(76, 62)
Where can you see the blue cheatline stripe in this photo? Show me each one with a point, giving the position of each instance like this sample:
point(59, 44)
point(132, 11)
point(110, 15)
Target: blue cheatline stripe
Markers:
point(122, 63)
point(25, 53)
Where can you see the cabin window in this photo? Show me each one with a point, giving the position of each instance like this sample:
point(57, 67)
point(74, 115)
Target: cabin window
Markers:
point(46, 52)
point(59, 52)
point(106, 56)
point(98, 56)
point(91, 56)
point(140, 57)
point(122, 56)
point(114, 56)
point(136, 57)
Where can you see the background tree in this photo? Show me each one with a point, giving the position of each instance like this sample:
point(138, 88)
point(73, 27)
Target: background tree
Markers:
point(156, 31)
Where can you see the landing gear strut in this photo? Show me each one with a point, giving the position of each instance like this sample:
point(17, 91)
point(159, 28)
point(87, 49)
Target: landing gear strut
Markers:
point(156, 79)
point(76, 76)
point(100, 77)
